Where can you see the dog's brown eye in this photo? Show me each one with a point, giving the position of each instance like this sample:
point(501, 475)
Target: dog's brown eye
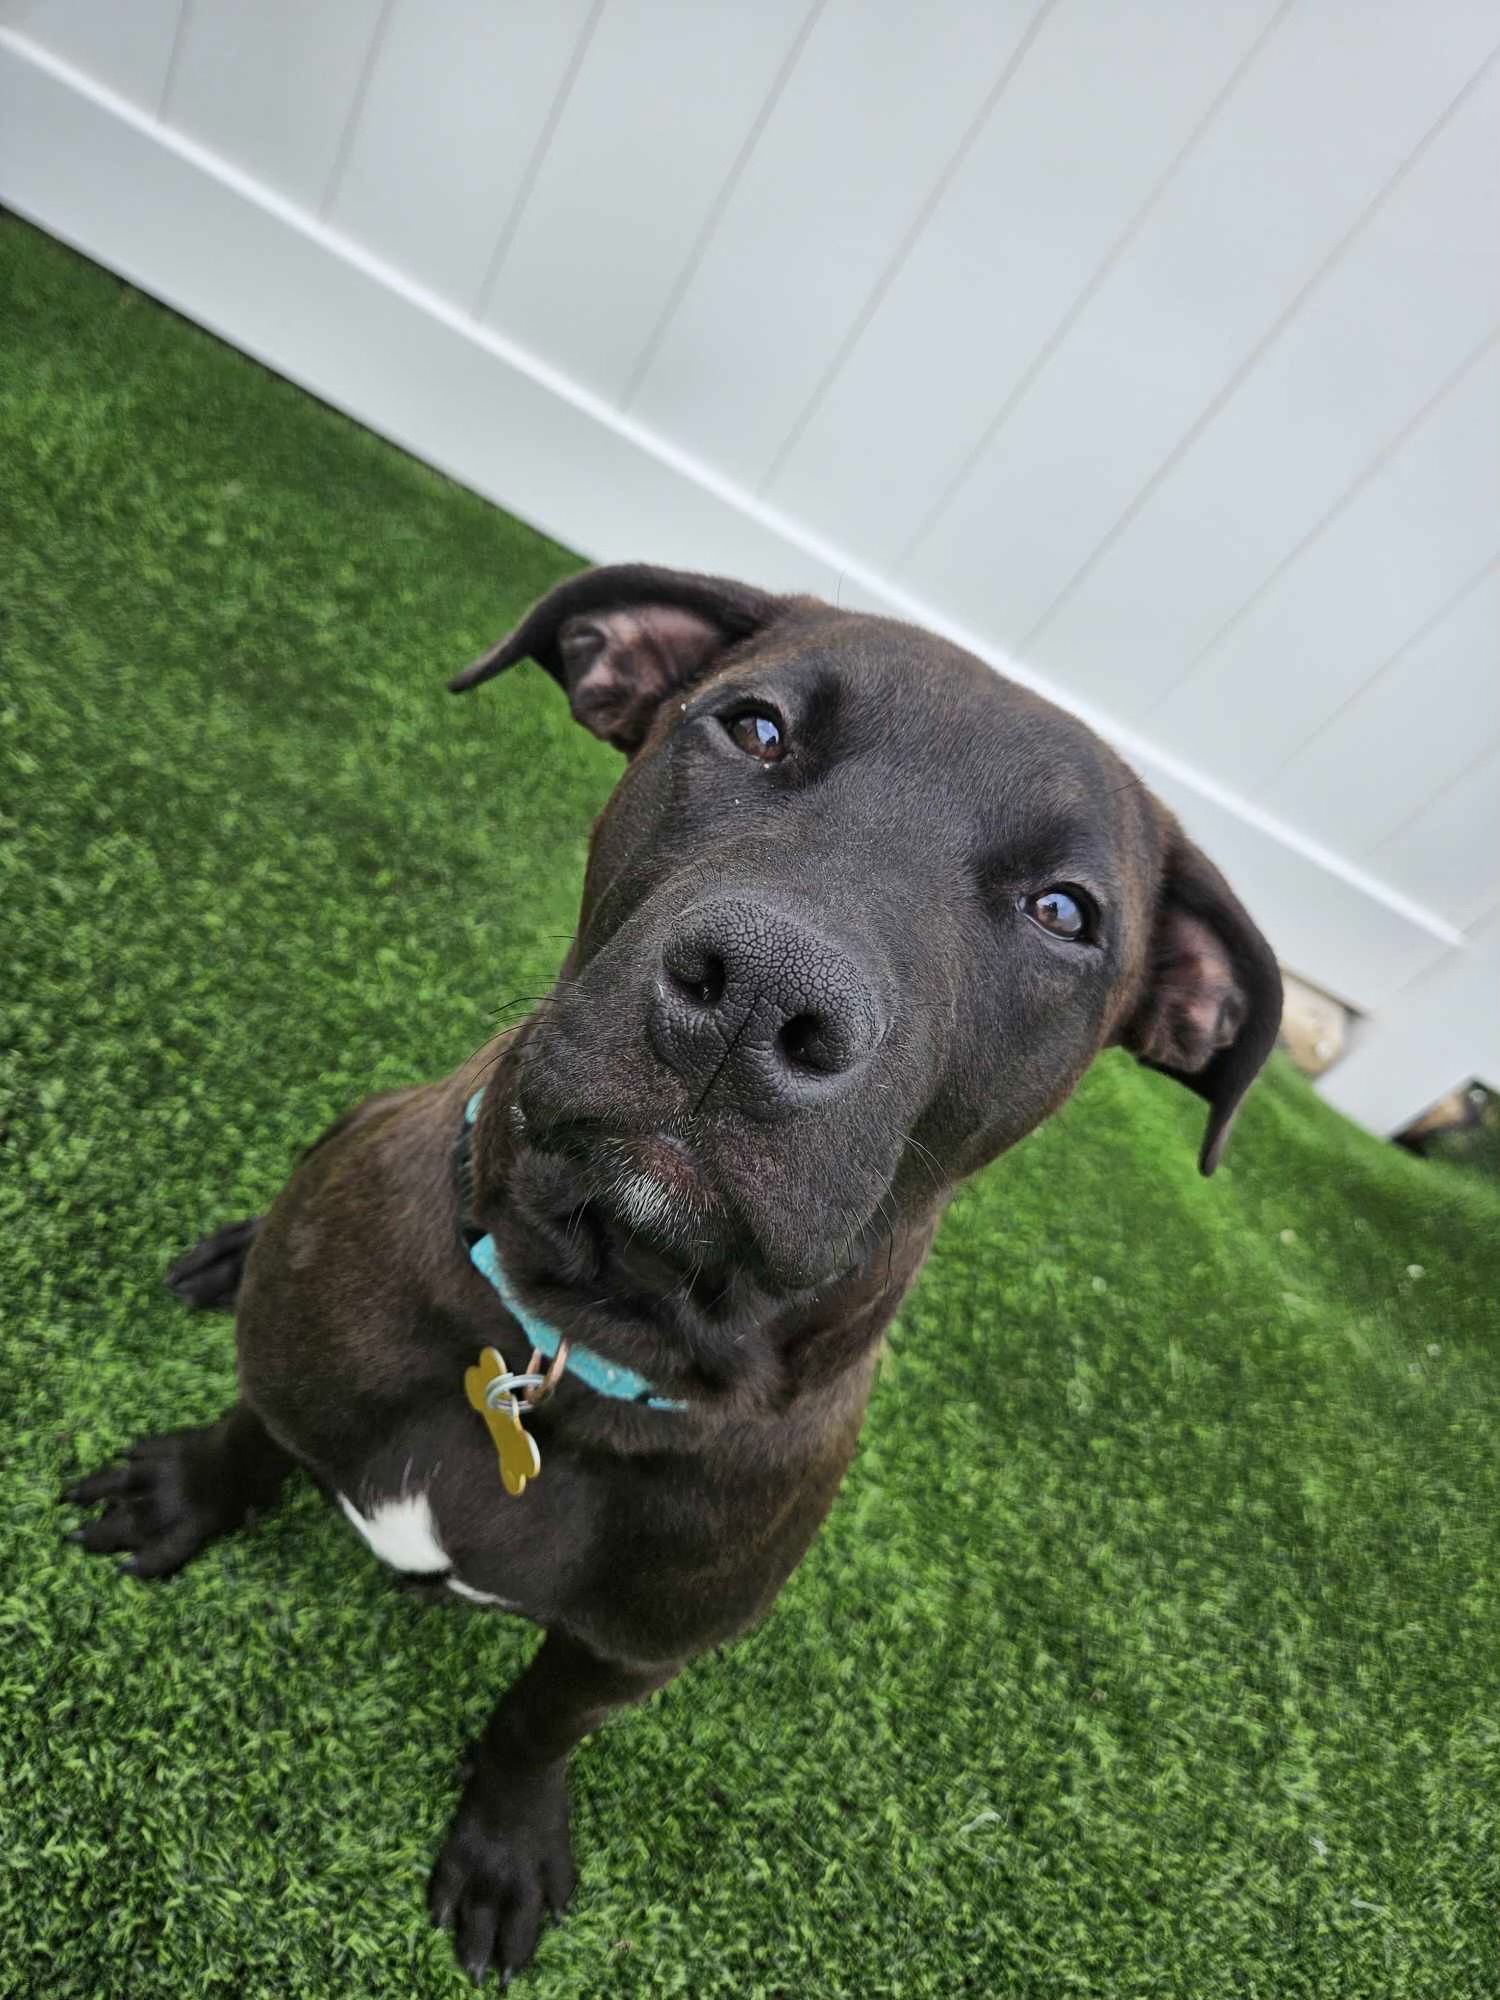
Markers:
point(1060, 911)
point(758, 734)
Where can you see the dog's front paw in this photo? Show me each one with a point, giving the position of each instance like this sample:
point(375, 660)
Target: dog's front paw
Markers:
point(505, 1863)
point(169, 1496)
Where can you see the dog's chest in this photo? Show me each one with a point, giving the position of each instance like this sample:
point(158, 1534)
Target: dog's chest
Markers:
point(403, 1531)
point(425, 1493)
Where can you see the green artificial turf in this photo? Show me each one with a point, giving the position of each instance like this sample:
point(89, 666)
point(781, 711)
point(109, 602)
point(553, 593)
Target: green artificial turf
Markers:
point(1154, 1645)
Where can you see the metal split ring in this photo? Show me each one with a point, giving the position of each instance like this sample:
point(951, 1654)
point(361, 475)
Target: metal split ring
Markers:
point(503, 1388)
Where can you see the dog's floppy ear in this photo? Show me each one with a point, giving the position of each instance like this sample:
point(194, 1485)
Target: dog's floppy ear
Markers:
point(619, 640)
point(1212, 1001)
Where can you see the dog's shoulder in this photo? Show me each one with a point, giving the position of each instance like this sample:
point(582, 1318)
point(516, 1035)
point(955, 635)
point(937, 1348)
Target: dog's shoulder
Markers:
point(382, 1106)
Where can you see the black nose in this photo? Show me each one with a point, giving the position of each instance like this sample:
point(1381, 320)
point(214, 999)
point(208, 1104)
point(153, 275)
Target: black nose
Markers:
point(756, 1006)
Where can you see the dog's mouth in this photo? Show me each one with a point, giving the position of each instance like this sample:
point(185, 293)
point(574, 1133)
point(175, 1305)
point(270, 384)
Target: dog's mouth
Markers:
point(653, 1194)
point(647, 1200)
point(641, 1205)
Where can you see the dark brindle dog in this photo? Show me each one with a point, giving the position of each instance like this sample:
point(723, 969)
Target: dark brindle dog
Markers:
point(856, 918)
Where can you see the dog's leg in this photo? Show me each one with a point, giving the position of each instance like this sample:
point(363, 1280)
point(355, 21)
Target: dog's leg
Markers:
point(507, 1859)
point(208, 1276)
point(174, 1493)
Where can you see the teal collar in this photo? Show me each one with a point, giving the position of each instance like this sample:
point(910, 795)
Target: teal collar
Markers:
point(606, 1378)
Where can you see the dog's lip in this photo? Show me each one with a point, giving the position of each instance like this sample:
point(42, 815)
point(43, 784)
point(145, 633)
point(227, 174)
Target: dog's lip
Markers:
point(645, 1197)
point(603, 1153)
point(664, 1157)
point(646, 1203)
point(652, 1199)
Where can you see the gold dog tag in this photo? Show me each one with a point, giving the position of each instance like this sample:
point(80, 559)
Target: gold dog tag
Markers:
point(514, 1445)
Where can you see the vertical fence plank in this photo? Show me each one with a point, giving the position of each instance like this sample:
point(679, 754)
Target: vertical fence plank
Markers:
point(458, 98)
point(271, 86)
point(655, 121)
point(126, 44)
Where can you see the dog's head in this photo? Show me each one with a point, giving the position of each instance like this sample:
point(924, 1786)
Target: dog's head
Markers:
point(857, 917)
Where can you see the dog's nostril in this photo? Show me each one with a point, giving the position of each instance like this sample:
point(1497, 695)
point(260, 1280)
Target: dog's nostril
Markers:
point(701, 981)
point(802, 1043)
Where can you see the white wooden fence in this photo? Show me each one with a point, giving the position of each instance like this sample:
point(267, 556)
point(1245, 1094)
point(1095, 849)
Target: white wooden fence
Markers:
point(1150, 348)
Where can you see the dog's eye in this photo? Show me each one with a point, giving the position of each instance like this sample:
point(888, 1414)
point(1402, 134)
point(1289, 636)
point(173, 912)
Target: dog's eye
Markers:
point(757, 732)
point(1067, 913)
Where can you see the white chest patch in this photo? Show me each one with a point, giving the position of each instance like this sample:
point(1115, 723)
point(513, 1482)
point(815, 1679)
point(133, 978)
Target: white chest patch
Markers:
point(462, 1589)
point(401, 1532)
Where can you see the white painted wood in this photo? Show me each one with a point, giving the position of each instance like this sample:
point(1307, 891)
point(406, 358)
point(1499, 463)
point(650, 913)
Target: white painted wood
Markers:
point(1265, 200)
point(667, 95)
point(126, 44)
point(176, 219)
point(1408, 539)
point(271, 85)
point(1448, 852)
point(1407, 734)
point(1054, 182)
point(1337, 386)
point(880, 102)
point(458, 99)
point(1444, 1031)
point(1186, 260)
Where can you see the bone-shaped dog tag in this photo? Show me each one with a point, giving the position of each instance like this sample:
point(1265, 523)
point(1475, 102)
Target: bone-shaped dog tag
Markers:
point(514, 1445)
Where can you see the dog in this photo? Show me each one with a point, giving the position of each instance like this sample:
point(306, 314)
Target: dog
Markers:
point(587, 1329)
